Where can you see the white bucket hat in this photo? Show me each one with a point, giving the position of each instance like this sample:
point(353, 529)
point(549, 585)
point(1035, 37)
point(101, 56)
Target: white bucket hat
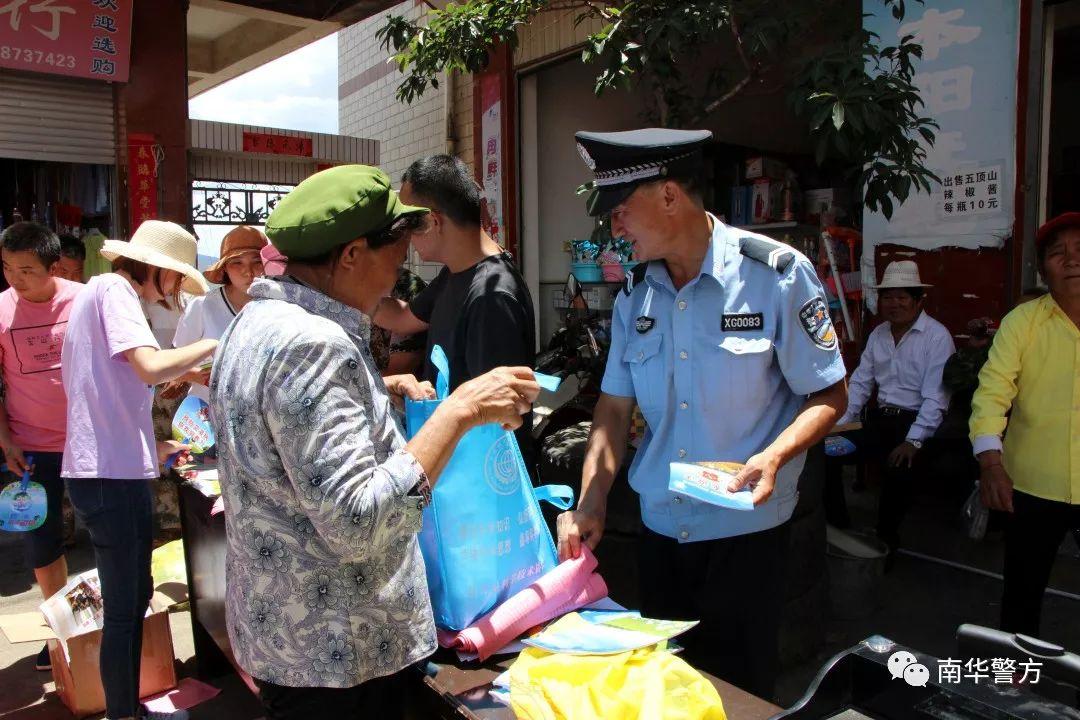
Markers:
point(901, 274)
point(164, 245)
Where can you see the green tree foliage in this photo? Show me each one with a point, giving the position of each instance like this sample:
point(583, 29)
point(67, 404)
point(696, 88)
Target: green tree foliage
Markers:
point(691, 56)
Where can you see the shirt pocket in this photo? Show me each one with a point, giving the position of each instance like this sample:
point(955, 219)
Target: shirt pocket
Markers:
point(745, 362)
point(647, 370)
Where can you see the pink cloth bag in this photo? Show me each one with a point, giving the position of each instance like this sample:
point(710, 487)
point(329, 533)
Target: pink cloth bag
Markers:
point(571, 585)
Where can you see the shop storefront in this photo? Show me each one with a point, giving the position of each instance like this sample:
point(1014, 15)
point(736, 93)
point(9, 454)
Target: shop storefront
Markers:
point(58, 113)
point(998, 77)
point(93, 111)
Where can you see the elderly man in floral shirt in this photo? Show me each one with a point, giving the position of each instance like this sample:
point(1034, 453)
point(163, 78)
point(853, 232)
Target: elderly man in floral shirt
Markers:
point(326, 595)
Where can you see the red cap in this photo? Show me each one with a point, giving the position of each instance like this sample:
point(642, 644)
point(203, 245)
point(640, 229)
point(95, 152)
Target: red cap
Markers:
point(1051, 227)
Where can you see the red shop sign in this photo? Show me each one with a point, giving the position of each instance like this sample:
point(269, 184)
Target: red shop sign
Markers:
point(277, 144)
point(84, 38)
point(142, 180)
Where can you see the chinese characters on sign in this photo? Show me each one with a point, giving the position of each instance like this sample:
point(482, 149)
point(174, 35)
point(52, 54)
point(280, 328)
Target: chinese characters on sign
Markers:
point(967, 80)
point(970, 192)
point(85, 38)
point(491, 158)
point(277, 144)
point(142, 180)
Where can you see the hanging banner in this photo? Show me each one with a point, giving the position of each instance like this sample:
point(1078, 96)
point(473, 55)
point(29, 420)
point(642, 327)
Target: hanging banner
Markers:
point(84, 38)
point(270, 144)
point(142, 180)
point(491, 156)
point(967, 78)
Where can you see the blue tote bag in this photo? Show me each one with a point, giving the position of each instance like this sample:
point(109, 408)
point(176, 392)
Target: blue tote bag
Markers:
point(484, 538)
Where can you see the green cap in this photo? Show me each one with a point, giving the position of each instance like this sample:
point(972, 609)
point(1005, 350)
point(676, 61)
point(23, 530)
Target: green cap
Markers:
point(334, 207)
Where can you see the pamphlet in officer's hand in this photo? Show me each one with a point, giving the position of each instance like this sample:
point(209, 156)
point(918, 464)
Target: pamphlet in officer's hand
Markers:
point(708, 482)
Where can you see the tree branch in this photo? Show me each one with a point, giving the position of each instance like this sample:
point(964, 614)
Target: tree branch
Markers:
point(733, 22)
point(711, 107)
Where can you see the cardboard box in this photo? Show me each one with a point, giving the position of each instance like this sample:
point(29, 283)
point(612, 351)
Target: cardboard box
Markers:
point(78, 680)
point(767, 203)
point(825, 201)
point(765, 167)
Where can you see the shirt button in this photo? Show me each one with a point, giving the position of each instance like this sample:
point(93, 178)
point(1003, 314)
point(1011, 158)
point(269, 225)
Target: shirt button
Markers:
point(682, 304)
point(683, 355)
point(677, 500)
point(684, 405)
point(682, 453)
point(641, 356)
point(684, 535)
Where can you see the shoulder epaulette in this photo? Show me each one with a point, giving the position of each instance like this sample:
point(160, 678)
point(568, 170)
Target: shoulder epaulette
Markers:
point(775, 254)
point(635, 276)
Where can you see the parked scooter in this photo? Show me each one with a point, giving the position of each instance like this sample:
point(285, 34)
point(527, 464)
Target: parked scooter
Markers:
point(577, 353)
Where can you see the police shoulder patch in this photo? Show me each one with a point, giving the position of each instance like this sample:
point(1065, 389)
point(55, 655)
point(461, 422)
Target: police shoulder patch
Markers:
point(775, 254)
point(815, 321)
point(635, 277)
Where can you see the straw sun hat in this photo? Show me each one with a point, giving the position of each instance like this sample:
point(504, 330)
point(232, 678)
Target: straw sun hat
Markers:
point(903, 275)
point(164, 245)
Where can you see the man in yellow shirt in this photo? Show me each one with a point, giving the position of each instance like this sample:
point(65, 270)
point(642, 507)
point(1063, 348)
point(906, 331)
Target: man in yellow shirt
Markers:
point(1031, 385)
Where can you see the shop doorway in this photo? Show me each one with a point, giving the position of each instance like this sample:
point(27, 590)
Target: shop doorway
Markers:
point(1061, 140)
point(70, 198)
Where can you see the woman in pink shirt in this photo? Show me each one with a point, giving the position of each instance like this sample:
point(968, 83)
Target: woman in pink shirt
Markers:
point(110, 365)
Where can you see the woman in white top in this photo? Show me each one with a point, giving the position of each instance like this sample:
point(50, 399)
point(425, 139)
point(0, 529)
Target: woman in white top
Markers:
point(208, 316)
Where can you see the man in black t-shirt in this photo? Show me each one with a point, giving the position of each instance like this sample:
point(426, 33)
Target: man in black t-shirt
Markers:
point(478, 308)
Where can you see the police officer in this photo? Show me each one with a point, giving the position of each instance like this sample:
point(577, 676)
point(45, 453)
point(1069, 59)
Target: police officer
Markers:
point(723, 339)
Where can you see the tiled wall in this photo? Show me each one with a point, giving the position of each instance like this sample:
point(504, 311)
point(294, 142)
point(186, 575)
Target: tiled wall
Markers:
point(551, 33)
point(368, 106)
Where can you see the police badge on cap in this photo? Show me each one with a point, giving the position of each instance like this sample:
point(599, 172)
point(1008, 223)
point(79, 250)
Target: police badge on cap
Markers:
point(621, 161)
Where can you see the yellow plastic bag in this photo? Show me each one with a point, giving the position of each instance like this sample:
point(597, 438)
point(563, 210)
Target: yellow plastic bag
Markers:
point(167, 563)
point(646, 684)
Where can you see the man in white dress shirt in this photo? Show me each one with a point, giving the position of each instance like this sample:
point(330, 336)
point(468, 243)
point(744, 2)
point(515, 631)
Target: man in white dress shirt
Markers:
point(904, 359)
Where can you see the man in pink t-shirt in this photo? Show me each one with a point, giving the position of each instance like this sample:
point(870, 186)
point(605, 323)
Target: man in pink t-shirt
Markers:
point(33, 413)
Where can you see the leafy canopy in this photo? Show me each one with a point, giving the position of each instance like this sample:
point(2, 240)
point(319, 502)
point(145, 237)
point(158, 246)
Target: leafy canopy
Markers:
point(691, 56)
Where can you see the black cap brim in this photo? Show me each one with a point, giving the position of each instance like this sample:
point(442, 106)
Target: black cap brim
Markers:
point(604, 200)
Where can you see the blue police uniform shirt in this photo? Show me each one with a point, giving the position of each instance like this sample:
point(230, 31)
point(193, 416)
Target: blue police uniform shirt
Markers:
point(719, 369)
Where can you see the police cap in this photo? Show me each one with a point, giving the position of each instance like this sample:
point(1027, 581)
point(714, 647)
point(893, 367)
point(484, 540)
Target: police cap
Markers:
point(621, 161)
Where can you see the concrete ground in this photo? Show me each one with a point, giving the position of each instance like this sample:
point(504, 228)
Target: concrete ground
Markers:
point(26, 694)
point(924, 603)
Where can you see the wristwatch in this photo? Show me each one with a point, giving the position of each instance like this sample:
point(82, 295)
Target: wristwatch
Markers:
point(917, 444)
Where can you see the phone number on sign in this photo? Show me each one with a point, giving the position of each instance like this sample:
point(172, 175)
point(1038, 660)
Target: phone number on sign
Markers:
point(37, 57)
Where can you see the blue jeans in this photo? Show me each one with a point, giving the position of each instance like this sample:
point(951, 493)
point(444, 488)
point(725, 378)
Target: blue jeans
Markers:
point(119, 516)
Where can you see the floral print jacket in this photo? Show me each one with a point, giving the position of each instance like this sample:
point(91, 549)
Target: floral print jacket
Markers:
point(325, 584)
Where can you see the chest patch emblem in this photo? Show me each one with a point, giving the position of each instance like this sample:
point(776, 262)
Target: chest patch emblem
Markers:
point(644, 324)
point(743, 321)
point(814, 319)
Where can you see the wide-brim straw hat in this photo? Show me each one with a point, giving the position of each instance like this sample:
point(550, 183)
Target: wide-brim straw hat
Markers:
point(901, 275)
point(165, 245)
point(237, 242)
